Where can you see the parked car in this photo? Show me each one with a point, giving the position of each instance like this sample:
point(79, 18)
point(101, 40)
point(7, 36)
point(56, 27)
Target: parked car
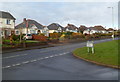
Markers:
point(27, 36)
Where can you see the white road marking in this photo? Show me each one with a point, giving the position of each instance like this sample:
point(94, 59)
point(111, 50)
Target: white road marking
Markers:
point(46, 57)
point(51, 56)
point(25, 62)
point(18, 64)
point(33, 60)
point(6, 67)
point(14, 65)
point(14, 56)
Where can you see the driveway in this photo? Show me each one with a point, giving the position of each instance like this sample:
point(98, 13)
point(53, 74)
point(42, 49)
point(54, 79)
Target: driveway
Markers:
point(53, 63)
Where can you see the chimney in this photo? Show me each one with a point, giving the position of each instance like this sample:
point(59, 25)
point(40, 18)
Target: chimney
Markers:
point(24, 20)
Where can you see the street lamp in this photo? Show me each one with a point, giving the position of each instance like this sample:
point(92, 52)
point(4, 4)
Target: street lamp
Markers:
point(112, 21)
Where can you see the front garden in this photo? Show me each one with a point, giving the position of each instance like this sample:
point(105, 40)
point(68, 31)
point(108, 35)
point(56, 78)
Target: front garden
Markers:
point(40, 39)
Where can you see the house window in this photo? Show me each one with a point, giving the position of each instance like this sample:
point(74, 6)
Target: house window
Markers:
point(17, 32)
point(32, 31)
point(7, 21)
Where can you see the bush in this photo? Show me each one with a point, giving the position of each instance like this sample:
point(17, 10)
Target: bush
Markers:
point(69, 33)
point(15, 37)
point(40, 38)
point(77, 35)
point(42, 34)
point(55, 35)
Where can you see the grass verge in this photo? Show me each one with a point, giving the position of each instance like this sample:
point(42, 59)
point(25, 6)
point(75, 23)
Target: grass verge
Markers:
point(105, 53)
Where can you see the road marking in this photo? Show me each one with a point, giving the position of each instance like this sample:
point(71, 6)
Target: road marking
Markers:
point(46, 57)
point(14, 65)
point(18, 64)
point(14, 56)
point(25, 62)
point(51, 56)
point(6, 67)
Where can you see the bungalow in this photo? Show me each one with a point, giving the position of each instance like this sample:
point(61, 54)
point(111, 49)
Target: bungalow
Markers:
point(90, 30)
point(100, 29)
point(110, 30)
point(30, 27)
point(7, 24)
point(55, 27)
point(82, 28)
point(71, 28)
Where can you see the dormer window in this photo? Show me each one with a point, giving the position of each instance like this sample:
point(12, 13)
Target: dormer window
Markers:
point(8, 21)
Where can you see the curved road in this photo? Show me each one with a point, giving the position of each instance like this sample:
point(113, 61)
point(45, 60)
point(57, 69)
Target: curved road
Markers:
point(53, 63)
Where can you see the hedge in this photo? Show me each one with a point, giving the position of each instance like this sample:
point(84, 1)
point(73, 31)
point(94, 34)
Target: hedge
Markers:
point(39, 38)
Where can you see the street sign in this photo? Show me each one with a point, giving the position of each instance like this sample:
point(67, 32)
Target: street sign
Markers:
point(90, 45)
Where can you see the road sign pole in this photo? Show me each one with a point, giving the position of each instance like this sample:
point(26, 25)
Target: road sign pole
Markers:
point(88, 50)
point(93, 50)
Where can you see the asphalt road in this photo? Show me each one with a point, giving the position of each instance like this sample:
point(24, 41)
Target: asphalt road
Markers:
point(53, 63)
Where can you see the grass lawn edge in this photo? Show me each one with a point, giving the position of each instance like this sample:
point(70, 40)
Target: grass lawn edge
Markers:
point(97, 63)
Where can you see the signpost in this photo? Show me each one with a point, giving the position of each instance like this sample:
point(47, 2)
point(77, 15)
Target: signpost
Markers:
point(90, 45)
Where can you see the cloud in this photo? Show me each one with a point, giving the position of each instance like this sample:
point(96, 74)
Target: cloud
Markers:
point(80, 13)
point(59, 1)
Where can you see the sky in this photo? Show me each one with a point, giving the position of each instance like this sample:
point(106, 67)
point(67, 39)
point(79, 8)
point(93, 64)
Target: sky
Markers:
point(77, 13)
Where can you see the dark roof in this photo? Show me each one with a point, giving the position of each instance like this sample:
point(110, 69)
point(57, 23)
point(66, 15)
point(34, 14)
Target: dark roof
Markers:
point(99, 27)
point(71, 27)
point(6, 15)
point(82, 28)
point(54, 26)
point(30, 24)
point(110, 29)
point(92, 28)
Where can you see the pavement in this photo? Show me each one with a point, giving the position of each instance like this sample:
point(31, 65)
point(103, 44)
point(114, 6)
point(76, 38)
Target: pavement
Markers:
point(53, 63)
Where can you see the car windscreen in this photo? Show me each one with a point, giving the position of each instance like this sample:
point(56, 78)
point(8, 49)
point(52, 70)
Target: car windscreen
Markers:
point(29, 35)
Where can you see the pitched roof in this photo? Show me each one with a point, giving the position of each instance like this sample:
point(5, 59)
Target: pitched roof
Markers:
point(31, 23)
point(82, 28)
point(110, 29)
point(71, 27)
point(54, 26)
point(92, 28)
point(99, 27)
point(6, 15)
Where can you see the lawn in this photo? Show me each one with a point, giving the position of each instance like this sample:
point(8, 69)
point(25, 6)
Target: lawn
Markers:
point(31, 41)
point(17, 42)
point(27, 41)
point(5, 45)
point(105, 53)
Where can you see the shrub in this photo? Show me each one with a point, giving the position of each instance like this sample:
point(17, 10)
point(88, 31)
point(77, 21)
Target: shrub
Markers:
point(40, 38)
point(42, 34)
point(55, 35)
point(14, 37)
point(77, 35)
point(69, 33)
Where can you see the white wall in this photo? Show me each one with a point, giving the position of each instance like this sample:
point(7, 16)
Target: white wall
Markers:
point(4, 24)
point(7, 27)
point(91, 32)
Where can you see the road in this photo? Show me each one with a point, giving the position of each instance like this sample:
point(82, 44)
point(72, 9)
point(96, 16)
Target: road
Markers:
point(53, 63)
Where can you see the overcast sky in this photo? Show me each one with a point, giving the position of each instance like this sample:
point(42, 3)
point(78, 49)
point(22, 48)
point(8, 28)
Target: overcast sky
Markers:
point(77, 13)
